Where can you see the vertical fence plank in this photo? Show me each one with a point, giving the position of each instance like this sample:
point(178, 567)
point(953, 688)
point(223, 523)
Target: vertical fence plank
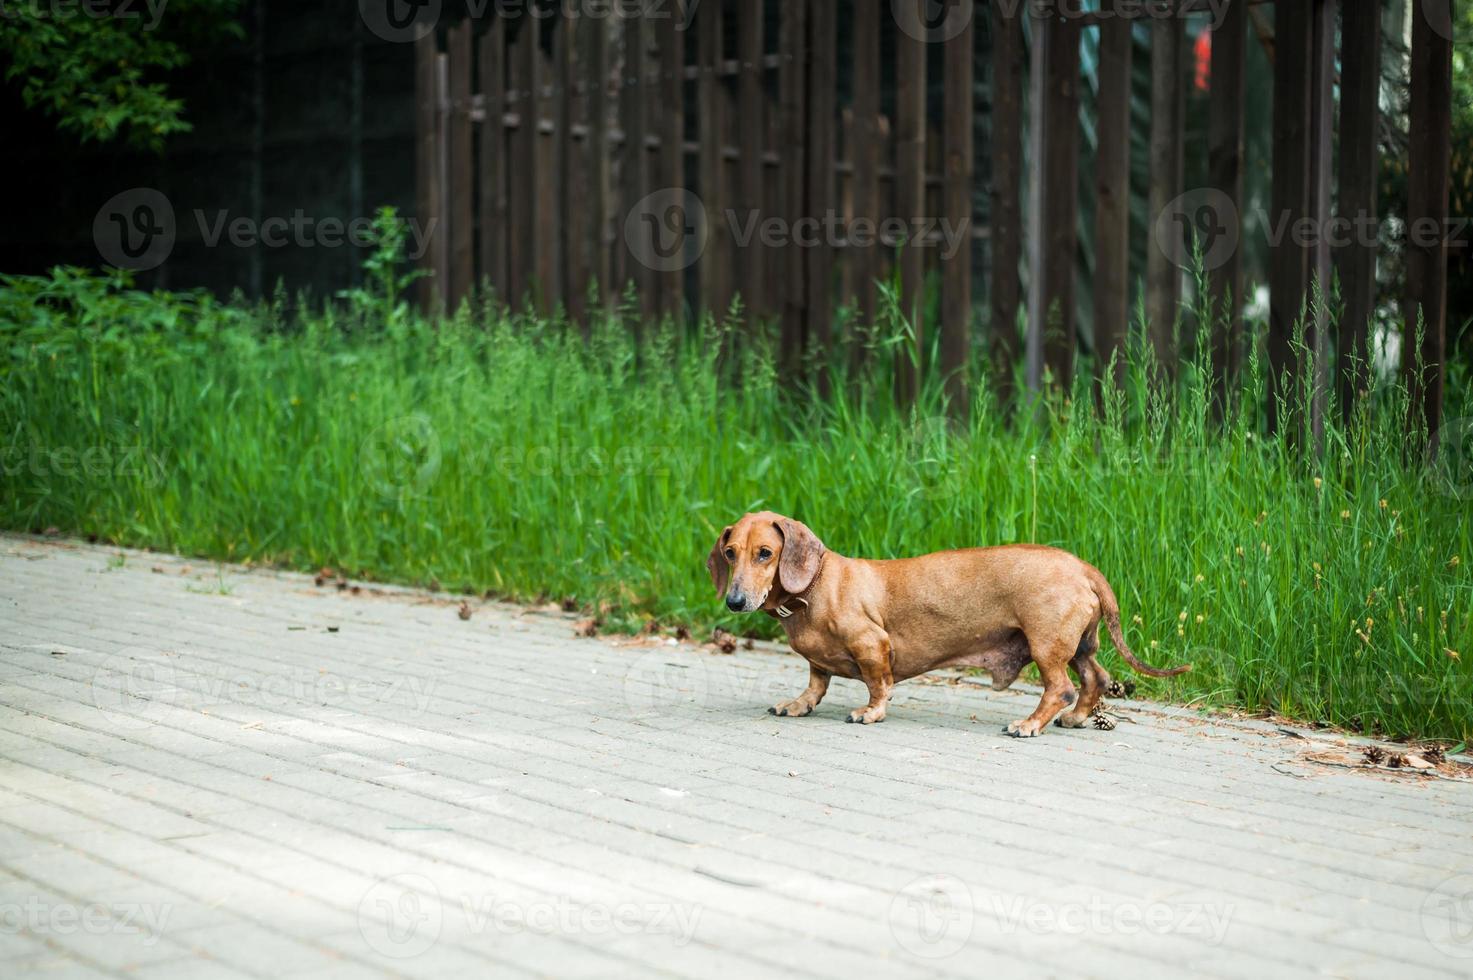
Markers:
point(460, 195)
point(1163, 276)
point(910, 192)
point(426, 163)
point(1060, 124)
point(794, 64)
point(823, 85)
point(865, 155)
point(1225, 173)
point(600, 270)
point(1360, 123)
point(1429, 133)
point(634, 94)
point(715, 263)
point(1112, 197)
point(749, 148)
point(493, 156)
point(1006, 206)
point(575, 166)
point(670, 172)
point(956, 271)
point(1288, 260)
point(545, 184)
point(1322, 176)
point(522, 231)
point(1039, 42)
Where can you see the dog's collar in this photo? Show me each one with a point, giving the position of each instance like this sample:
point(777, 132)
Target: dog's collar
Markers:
point(782, 610)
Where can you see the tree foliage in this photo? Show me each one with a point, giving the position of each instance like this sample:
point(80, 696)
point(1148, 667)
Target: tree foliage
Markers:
point(97, 68)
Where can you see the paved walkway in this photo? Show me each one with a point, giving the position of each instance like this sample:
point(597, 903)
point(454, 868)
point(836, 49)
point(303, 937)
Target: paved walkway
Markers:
point(217, 772)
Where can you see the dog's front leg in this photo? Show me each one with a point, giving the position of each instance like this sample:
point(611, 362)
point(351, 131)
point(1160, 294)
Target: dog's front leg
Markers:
point(803, 704)
point(872, 654)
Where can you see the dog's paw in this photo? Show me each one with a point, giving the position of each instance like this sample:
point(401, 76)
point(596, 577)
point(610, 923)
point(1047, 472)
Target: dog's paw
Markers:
point(865, 716)
point(1024, 728)
point(795, 708)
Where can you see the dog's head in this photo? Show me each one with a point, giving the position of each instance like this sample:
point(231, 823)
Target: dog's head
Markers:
point(758, 552)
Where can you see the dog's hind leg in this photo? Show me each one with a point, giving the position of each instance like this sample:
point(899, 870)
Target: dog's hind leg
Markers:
point(1058, 692)
point(1092, 679)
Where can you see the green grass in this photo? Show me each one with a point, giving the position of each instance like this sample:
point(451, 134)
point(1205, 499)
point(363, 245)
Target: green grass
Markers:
point(508, 455)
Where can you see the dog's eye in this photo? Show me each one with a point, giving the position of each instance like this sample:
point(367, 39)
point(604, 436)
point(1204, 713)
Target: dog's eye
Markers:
point(764, 553)
point(731, 554)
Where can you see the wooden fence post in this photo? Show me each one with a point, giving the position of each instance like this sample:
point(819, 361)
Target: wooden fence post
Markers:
point(522, 229)
point(749, 197)
point(668, 171)
point(793, 71)
point(549, 165)
point(1288, 259)
point(427, 170)
point(715, 265)
point(460, 194)
point(1321, 176)
point(956, 270)
point(1225, 173)
point(1006, 212)
point(865, 155)
point(1163, 276)
point(1360, 123)
point(1430, 138)
point(1060, 204)
point(821, 201)
point(910, 196)
point(1112, 198)
point(493, 156)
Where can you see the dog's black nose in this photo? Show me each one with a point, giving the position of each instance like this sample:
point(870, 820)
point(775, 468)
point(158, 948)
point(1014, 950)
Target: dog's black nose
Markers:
point(736, 603)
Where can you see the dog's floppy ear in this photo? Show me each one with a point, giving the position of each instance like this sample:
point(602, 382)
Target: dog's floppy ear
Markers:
point(716, 562)
point(802, 551)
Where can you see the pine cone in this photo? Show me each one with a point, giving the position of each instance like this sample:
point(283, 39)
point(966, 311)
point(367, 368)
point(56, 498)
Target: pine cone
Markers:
point(1396, 761)
point(1374, 755)
point(1101, 720)
point(1434, 754)
point(1120, 689)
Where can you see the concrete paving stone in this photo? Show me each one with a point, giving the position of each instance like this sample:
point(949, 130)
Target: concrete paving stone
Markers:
point(274, 787)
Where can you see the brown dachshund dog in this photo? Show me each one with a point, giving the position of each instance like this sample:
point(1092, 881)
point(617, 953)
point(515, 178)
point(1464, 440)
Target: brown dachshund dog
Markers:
point(885, 621)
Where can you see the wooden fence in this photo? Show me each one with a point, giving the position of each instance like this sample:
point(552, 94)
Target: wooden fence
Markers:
point(563, 157)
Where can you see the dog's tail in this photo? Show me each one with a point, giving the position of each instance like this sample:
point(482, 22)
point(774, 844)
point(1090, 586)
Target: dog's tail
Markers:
point(1110, 611)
